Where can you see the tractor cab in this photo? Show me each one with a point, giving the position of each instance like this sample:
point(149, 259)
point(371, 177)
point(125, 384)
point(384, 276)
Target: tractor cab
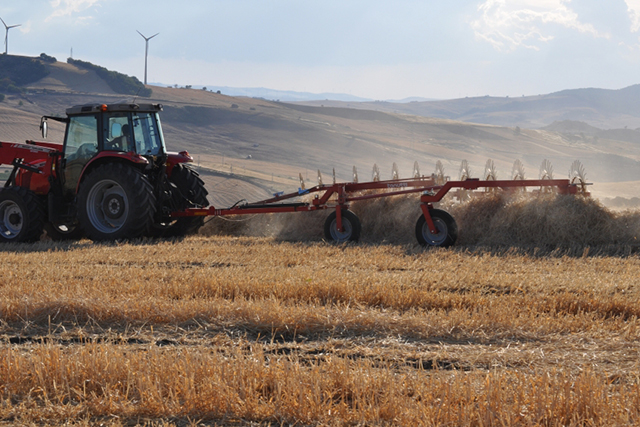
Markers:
point(130, 131)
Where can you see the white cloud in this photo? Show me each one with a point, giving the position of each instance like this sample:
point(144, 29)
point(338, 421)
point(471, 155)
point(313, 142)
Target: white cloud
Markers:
point(633, 7)
point(510, 24)
point(69, 7)
point(25, 28)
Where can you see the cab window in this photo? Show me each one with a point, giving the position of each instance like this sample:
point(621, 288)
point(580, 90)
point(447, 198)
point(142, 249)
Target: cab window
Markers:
point(82, 137)
point(146, 134)
point(118, 133)
point(80, 145)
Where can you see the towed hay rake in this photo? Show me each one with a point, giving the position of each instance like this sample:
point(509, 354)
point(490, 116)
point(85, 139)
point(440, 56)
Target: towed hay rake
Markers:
point(435, 227)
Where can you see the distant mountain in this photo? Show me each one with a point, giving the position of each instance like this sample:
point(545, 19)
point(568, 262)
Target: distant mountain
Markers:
point(602, 108)
point(293, 96)
point(279, 95)
point(412, 99)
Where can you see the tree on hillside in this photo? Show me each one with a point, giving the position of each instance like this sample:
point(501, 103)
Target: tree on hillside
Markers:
point(17, 71)
point(118, 82)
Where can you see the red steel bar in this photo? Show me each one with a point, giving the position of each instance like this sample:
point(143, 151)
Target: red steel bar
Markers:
point(432, 193)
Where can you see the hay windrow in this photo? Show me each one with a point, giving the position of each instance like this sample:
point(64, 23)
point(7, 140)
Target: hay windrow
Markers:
point(545, 221)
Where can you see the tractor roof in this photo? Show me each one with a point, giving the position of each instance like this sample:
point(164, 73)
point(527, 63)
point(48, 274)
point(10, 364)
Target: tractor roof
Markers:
point(97, 108)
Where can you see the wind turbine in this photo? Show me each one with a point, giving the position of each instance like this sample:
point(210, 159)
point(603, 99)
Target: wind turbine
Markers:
point(6, 35)
point(146, 52)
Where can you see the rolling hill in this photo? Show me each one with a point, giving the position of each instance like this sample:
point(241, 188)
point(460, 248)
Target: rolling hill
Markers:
point(250, 148)
point(602, 108)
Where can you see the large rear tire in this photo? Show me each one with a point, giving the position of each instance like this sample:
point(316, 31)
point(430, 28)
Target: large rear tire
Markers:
point(115, 201)
point(21, 215)
point(190, 192)
point(350, 224)
point(446, 226)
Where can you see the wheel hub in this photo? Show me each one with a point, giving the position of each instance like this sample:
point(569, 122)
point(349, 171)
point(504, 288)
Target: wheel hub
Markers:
point(11, 219)
point(341, 235)
point(435, 238)
point(113, 206)
point(15, 219)
point(107, 206)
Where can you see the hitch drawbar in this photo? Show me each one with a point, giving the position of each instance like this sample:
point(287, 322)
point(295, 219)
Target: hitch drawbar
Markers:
point(435, 227)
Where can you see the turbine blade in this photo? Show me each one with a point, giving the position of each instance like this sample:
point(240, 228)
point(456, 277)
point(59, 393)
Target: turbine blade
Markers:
point(5, 24)
point(147, 38)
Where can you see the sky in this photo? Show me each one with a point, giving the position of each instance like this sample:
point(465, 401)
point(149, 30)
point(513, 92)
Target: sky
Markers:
point(377, 49)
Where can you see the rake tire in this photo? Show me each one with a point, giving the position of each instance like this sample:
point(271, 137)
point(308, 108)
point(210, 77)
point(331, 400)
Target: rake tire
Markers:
point(446, 226)
point(350, 223)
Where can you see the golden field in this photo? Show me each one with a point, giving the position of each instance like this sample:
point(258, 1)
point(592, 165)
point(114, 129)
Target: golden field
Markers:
point(246, 330)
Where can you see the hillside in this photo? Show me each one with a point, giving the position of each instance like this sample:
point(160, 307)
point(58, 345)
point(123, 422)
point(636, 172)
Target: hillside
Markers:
point(250, 148)
point(601, 108)
point(65, 77)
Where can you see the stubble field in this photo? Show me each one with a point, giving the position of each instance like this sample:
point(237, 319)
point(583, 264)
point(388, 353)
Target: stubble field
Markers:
point(247, 330)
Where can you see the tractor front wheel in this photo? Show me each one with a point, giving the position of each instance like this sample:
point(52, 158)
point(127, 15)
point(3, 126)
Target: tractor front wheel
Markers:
point(350, 227)
point(21, 215)
point(445, 225)
point(115, 201)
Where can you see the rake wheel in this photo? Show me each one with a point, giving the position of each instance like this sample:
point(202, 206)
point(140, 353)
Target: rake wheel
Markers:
point(465, 174)
point(517, 172)
point(375, 173)
point(578, 177)
point(439, 174)
point(546, 172)
point(490, 174)
point(465, 171)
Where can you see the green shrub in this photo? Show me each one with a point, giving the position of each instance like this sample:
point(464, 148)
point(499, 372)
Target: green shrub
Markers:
point(16, 71)
point(8, 86)
point(48, 59)
point(1, 97)
point(118, 82)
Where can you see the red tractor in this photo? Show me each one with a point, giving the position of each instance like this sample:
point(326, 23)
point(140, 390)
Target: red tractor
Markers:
point(111, 178)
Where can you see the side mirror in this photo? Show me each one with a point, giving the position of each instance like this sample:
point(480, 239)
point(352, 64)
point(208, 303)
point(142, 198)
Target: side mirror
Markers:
point(44, 127)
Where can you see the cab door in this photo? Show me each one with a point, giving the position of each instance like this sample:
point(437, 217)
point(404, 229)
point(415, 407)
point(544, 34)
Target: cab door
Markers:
point(80, 145)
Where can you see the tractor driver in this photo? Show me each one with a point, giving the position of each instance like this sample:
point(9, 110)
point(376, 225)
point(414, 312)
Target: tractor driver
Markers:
point(121, 143)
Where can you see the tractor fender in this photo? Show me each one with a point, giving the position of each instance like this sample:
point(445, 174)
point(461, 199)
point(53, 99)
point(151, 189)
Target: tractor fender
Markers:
point(176, 158)
point(111, 157)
